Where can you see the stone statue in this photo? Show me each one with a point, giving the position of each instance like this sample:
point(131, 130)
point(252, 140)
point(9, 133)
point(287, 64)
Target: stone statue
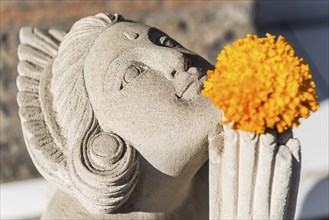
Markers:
point(113, 118)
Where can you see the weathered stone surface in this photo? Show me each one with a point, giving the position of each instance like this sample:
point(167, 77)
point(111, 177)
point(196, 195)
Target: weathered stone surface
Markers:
point(217, 23)
point(113, 117)
point(110, 85)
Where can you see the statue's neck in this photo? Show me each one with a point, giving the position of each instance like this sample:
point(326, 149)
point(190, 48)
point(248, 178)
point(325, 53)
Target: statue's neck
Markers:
point(145, 203)
point(64, 206)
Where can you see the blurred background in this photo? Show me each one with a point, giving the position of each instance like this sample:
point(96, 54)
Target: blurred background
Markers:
point(202, 26)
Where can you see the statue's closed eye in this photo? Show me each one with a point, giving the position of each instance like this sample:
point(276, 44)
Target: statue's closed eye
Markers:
point(132, 72)
point(167, 42)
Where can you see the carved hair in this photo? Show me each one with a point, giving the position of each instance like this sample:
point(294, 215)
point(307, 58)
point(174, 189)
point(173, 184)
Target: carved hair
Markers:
point(74, 111)
point(62, 133)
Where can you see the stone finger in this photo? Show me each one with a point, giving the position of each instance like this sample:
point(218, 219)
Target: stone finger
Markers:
point(264, 166)
point(281, 183)
point(294, 146)
point(229, 175)
point(247, 155)
point(215, 153)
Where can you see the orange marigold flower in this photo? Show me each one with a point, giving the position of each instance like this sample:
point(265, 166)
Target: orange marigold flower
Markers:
point(260, 83)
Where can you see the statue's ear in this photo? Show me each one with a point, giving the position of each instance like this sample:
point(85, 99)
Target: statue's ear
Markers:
point(103, 172)
point(36, 53)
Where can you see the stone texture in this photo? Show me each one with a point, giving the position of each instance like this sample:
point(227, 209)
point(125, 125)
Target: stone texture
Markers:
point(218, 23)
point(110, 84)
point(114, 119)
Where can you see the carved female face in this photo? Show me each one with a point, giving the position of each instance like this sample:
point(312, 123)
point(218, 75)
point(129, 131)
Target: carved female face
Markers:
point(146, 88)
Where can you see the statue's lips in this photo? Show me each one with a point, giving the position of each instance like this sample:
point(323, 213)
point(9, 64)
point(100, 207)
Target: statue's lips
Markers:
point(194, 84)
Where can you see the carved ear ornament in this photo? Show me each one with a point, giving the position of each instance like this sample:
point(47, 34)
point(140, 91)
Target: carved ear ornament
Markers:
point(104, 171)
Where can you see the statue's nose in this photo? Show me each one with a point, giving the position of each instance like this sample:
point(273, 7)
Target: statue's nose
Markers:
point(169, 61)
point(175, 65)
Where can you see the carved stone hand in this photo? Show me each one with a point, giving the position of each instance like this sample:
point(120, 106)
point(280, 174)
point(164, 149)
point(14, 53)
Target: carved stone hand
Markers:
point(253, 176)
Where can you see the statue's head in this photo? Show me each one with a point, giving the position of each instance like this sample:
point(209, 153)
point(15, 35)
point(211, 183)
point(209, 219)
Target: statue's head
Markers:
point(118, 86)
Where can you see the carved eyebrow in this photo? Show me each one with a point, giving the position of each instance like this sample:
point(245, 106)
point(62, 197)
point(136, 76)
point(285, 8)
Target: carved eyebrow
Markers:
point(131, 36)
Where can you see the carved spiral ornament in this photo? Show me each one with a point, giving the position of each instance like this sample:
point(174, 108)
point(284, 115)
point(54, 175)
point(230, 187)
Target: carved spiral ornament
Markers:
point(104, 172)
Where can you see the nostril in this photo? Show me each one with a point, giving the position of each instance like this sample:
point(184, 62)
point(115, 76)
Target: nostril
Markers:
point(173, 73)
point(188, 64)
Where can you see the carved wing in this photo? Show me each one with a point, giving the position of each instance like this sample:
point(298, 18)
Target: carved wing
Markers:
point(102, 183)
point(253, 176)
point(43, 139)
